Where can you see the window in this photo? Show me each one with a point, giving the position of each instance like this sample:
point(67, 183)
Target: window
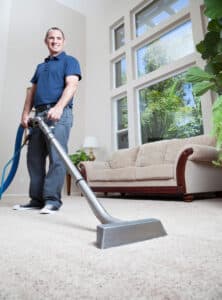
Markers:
point(156, 13)
point(119, 37)
point(153, 44)
point(121, 123)
point(168, 109)
point(171, 46)
point(120, 72)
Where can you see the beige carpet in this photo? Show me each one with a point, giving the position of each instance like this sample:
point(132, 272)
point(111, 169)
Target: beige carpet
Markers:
point(55, 257)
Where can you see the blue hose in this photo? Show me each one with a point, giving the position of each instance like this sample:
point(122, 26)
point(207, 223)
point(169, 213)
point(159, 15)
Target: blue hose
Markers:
point(14, 160)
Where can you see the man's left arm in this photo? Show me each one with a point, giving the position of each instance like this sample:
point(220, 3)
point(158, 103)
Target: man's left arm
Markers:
point(71, 84)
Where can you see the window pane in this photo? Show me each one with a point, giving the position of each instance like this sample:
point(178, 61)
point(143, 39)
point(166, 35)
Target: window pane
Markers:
point(119, 37)
point(122, 123)
point(122, 114)
point(120, 72)
point(169, 110)
point(168, 48)
point(156, 13)
point(122, 140)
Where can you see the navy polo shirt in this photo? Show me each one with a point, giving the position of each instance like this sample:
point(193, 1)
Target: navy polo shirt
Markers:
point(50, 77)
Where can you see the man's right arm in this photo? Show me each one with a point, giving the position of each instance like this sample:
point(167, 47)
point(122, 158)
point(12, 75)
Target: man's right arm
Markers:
point(28, 105)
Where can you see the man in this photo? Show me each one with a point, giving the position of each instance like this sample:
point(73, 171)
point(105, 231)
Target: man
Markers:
point(53, 86)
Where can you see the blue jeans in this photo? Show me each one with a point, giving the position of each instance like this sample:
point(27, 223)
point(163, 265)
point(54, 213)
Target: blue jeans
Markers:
point(46, 182)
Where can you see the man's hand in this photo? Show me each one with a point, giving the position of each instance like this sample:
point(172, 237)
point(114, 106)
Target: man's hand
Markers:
point(24, 120)
point(55, 113)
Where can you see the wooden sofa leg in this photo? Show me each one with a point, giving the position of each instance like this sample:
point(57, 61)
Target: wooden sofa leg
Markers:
point(188, 198)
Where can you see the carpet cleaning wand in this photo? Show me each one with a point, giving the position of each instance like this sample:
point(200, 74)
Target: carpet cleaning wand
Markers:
point(112, 231)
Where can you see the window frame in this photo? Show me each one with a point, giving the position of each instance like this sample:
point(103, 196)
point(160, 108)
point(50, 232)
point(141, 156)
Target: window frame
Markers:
point(163, 24)
point(114, 37)
point(114, 62)
point(155, 37)
point(115, 119)
point(115, 26)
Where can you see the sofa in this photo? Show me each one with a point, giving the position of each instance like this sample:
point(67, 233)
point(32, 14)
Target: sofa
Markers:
point(178, 168)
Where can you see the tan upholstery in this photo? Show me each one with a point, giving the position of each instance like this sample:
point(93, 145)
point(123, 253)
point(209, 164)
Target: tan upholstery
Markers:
point(162, 171)
point(203, 153)
point(185, 164)
point(121, 174)
point(151, 154)
point(123, 158)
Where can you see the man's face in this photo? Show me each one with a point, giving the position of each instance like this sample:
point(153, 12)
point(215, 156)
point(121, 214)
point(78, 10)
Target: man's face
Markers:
point(55, 42)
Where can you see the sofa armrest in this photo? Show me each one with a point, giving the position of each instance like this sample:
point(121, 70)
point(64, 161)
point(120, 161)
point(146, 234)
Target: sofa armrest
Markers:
point(203, 153)
point(192, 152)
point(179, 167)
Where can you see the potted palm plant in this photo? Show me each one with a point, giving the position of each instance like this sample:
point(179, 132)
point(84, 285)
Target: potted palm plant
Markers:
point(210, 78)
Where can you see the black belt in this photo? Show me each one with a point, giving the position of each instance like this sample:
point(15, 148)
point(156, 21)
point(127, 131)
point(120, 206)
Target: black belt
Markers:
point(41, 108)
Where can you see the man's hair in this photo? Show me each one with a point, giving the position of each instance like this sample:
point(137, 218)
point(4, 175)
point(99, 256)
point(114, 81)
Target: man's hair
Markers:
point(54, 28)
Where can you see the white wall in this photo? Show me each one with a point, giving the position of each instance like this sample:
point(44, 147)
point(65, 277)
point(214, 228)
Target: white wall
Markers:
point(5, 7)
point(24, 27)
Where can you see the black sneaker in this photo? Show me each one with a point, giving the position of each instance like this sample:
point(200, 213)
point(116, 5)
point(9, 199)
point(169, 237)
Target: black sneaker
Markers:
point(28, 206)
point(49, 209)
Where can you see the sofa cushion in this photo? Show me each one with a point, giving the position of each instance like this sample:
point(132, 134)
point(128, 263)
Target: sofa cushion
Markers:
point(202, 140)
point(151, 154)
point(123, 158)
point(160, 172)
point(174, 146)
point(166, 151)
point(172, 149)
point(122, 174)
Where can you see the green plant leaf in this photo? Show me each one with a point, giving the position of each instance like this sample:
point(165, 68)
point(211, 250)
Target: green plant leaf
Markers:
point(219, 83)
point(78, 156)
point(219, 46)
point(201, 48)
point(213, 8)
point(211, 40)
point(214, 25)
point(218, 58)
point(200, 88)
point(217, 122)
point(210, 68)
point(196, 74)
point(213, 68)
point(217, 105)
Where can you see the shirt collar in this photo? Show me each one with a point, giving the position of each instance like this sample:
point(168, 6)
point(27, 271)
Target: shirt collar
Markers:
point(58, 57)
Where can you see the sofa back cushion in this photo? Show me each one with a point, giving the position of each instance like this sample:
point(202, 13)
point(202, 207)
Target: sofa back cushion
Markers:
point(123, 158)
point(172, 149)
point(151, 154)
point(202, 140)
point(166, 151)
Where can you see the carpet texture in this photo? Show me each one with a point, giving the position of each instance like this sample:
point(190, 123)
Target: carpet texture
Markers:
point(55, 256)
